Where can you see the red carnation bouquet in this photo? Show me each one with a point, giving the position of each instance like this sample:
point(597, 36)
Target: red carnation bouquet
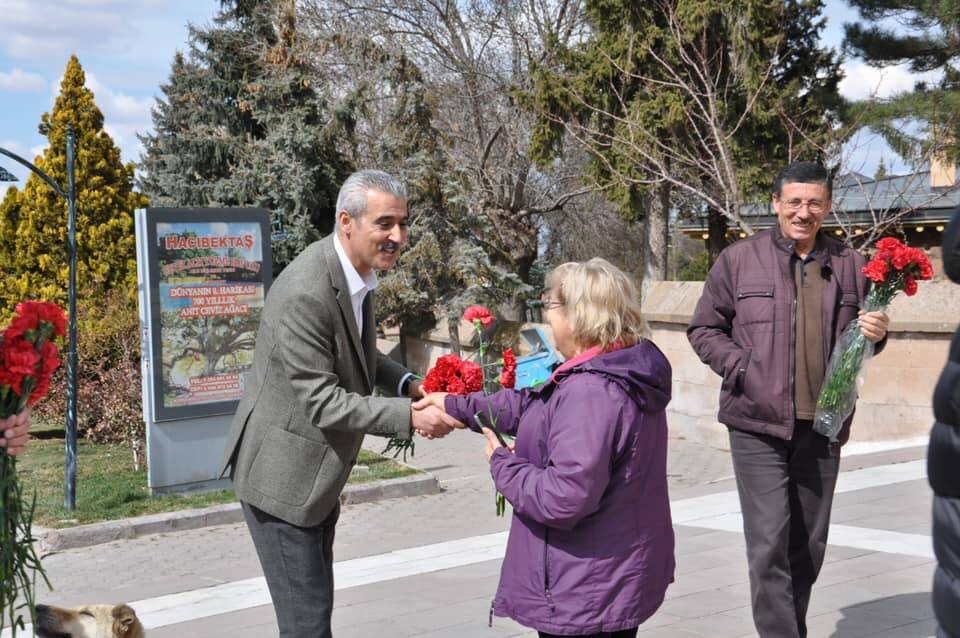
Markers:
point(894, 267)
point(28, 358)
point(457, 376)
point(476, 375)
point(451, 374)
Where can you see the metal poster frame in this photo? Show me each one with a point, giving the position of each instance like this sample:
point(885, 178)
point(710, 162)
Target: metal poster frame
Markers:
point(224, 274)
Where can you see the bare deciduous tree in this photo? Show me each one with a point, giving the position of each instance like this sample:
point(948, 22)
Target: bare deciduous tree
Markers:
point(475, 58)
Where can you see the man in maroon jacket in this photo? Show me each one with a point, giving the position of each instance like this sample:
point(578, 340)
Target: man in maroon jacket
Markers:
point(773, 306)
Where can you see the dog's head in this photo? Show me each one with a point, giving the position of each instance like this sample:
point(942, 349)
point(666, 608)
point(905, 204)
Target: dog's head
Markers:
point(91, 621)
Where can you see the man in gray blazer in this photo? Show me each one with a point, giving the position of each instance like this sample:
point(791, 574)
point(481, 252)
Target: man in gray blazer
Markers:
point(308, 401)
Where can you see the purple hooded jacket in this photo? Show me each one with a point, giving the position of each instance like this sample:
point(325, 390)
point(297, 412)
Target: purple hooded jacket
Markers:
point(591, 542)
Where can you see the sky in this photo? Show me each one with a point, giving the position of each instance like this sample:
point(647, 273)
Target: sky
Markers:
point(126, 48)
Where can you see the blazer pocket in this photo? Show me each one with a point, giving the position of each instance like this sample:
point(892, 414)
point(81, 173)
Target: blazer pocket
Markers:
point(286, 466)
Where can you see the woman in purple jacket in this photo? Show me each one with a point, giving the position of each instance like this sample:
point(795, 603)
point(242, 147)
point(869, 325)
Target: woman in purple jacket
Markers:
point(590, 551)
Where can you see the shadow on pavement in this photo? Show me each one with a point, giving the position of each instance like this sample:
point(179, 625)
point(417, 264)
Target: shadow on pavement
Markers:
point(903, 616)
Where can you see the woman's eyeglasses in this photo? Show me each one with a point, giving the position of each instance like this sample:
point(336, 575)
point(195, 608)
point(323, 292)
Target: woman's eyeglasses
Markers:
point(548, 303)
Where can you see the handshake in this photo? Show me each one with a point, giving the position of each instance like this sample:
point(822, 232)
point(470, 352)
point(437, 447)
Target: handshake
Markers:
point(429, 418)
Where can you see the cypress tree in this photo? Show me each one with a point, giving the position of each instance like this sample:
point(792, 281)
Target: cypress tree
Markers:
point(33, 223)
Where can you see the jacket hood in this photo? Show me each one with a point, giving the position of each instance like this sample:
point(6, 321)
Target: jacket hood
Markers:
point(642, 370)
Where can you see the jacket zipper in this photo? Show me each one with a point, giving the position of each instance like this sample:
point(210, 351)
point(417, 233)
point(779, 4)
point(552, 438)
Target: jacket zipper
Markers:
point(791, 362)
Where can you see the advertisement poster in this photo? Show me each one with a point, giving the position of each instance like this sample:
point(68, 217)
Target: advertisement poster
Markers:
point(211, 271)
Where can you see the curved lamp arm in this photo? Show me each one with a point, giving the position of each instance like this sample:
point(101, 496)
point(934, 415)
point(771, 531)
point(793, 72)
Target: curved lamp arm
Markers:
point(49, 180)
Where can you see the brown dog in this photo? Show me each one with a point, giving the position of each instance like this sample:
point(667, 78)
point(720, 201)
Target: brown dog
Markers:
point(91, 621)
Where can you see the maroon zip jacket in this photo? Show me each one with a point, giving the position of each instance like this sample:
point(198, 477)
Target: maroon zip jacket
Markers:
point(744, 326)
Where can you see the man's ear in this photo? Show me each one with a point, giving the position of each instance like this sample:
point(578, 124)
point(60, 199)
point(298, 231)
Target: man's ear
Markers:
point(346, 222)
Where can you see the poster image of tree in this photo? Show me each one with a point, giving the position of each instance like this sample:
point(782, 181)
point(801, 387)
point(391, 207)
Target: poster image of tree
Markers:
point(211, 289)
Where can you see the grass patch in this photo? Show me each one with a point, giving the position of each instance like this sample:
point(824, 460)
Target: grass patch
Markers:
point(108, 488)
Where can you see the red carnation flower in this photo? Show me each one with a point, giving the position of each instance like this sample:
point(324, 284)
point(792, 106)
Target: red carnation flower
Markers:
point(478, 313)
point(455, 385)
point(18, 360)
point(889, 244)
point(451, 374)
point(20, 326)
point(44, 311)
point(909, 286)
point(14, 381)
point(876, 270)
point(438, 377)
point(20, 357)
point(50, 359)
point(508, 376)
point(472, 375)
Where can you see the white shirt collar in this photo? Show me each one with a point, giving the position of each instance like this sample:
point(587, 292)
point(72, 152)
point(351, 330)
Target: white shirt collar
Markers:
point(355, 283)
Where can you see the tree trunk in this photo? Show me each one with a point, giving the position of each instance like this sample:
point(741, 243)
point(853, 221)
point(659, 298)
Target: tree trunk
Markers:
point(717, 231)
point(453, 329)
point(656, 240)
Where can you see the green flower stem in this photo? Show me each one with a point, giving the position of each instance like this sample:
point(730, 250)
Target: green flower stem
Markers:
point(400, 446)
point(19, 563)
point(838, 395)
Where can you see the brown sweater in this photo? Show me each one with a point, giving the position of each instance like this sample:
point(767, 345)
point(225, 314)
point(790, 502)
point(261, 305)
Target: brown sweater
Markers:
point(809, 363)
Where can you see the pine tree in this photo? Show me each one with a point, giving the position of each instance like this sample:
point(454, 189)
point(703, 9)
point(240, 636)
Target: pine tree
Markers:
point(242, 125)
point(33, 223)
point(927, 39)
point(683, 98)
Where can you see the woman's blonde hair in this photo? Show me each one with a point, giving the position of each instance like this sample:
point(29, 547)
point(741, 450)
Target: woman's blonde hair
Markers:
point(599, 300)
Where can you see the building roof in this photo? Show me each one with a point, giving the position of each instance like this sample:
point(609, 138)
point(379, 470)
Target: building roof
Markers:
point(858, 199)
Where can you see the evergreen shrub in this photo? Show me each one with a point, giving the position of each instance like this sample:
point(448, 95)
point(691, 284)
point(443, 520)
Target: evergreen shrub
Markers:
point(109, 380)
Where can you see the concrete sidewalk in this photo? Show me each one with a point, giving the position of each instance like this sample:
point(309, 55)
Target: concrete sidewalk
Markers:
point(427, 566)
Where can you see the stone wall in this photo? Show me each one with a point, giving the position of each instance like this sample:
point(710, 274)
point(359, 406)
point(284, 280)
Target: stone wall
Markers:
point(895, 400)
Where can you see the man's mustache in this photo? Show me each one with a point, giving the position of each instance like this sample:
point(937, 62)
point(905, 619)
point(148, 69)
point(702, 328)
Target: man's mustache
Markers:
point(390, 245)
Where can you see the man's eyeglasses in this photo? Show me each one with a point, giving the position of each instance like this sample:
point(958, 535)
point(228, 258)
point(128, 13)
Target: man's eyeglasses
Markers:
point(814, 206)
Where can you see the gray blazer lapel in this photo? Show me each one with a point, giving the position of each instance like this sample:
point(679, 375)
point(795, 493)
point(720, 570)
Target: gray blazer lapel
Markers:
point(339, 282)
point(370, 338)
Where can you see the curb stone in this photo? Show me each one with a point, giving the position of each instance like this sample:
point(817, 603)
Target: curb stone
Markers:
point(52, 540)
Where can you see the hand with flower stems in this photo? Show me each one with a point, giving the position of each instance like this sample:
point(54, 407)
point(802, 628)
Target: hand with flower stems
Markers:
point(13, 430)
point(493, 443)
point(873, 325)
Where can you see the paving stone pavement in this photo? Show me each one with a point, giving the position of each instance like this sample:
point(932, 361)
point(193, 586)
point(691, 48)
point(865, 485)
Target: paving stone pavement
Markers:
point(860, 593)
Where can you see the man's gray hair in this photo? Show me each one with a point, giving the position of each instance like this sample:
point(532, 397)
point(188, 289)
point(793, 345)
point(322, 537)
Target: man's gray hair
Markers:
point(353, 193)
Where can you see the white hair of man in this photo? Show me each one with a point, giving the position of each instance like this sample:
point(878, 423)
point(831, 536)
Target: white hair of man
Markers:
point(353, 194)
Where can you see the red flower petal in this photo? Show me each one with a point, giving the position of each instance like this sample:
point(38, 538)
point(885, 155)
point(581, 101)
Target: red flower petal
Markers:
point(478, 313)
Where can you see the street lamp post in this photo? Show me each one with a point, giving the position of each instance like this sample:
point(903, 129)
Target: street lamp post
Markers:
point(70, 464)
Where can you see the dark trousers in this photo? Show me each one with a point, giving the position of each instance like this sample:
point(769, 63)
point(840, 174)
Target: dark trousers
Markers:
point(626, 633)
point(786, 492)
point(297, 563)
